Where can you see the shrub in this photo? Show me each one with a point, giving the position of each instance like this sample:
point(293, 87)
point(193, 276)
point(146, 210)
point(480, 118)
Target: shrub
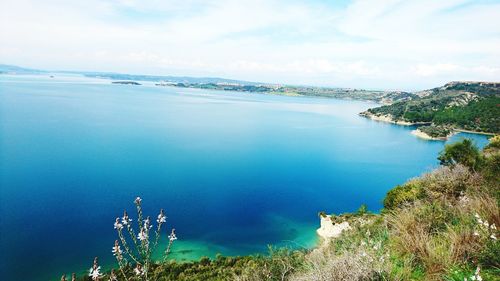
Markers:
point(403, 194)
point(446, 181)
point(464, 152)
point(491, 170)
point(363, 209)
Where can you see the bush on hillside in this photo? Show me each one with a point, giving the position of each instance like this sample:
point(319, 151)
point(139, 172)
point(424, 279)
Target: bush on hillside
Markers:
point(464, 152)
point(404, 194)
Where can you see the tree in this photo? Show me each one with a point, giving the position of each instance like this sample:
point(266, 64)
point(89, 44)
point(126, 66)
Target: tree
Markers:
point(464, 152)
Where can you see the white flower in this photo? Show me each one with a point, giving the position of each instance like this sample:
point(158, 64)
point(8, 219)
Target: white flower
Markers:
point(476, 275)
point(95, 273)
point(161, 217)
point(138, 200)
point(116, 250)
point(476, 233)
point(125, 219)
point(147, 224)
point(118, 225)
point(172, 237)
point(138, 271)
point(142, 235)
point(492, 226)
point(486, 224)
point(493, 237)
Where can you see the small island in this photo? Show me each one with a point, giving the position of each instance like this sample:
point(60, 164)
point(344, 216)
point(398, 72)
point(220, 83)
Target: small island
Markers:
point(126, 82)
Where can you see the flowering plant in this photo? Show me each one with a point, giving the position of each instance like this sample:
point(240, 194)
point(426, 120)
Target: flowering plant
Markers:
point(137, 250)
point(133, 254)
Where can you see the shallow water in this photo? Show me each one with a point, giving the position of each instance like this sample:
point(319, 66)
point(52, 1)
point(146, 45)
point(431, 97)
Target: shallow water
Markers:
point(234, 172)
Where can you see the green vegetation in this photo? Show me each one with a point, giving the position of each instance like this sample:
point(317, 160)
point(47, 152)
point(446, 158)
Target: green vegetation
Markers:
point(464, 153)
point(462, 105)
point(436, 131)
point(403, 194)
point(480, 115)
point(442, 225)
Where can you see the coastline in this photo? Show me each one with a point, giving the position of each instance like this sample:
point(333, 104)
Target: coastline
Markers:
point(389, 119)
point(474, 132)
point(329, 230)
point(417, 132)
point(425, 136)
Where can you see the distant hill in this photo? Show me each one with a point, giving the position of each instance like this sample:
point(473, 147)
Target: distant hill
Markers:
point(160, 78)
point(215, 83)
point(12, 69)
point(471, 106)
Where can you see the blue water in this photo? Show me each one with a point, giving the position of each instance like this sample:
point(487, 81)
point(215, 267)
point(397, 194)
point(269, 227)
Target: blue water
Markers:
point(234, 172)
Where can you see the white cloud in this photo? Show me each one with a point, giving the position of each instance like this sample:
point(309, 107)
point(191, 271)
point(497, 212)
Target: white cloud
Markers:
point(383, 43)
point(435, 69)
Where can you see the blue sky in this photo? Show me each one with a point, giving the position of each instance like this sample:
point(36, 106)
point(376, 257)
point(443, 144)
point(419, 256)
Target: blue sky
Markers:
point(389, 44)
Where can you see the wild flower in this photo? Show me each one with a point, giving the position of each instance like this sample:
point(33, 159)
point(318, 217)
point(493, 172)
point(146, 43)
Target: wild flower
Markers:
point(142, 235)
point(484, 229)
point(112, 276)
point(125, 219)
point(463, 199)
point(138, 248)
point(138, 200)
point(138, 270)
point(162, 218)
point(118, 225)
point(117, 251)
point(141, 245)
point(172, 236)
point(95, 271)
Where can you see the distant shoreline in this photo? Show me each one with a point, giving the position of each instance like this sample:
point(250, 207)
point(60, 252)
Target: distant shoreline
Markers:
point(417, 132)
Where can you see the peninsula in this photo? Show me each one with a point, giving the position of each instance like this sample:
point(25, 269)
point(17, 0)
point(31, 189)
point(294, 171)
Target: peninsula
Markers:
point(441, 111)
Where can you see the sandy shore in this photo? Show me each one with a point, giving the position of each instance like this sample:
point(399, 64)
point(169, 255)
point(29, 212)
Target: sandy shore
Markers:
point(425, 136)
point(329, 230)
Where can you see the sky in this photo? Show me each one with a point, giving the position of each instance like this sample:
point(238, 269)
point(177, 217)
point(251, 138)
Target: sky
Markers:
point(379, 44)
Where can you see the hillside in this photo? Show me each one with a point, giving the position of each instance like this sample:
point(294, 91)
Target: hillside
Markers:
point(473, 106)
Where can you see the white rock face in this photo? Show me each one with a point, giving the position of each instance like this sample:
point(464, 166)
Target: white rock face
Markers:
point(330, 230)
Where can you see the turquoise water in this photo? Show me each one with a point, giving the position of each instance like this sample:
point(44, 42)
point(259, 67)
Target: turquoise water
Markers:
point(234, 172)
